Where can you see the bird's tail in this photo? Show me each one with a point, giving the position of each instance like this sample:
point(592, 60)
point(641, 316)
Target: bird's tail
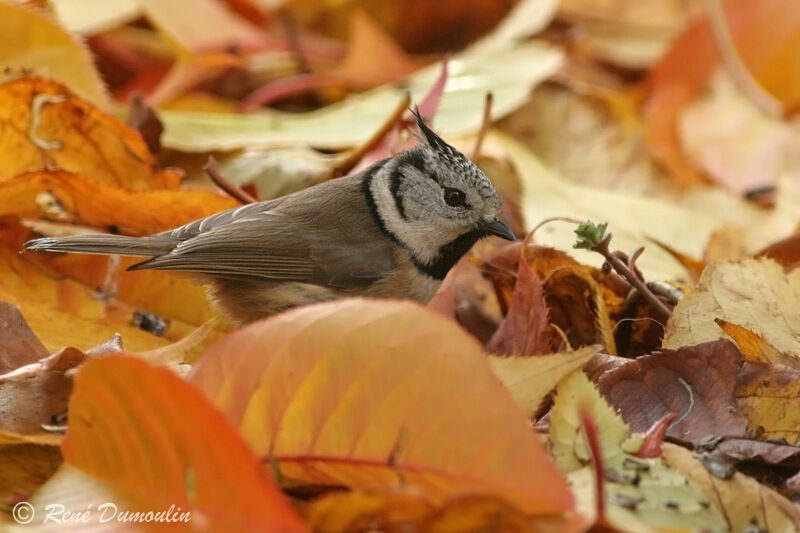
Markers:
point(99, 243)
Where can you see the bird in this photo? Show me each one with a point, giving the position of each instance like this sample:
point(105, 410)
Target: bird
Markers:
point(393, 230)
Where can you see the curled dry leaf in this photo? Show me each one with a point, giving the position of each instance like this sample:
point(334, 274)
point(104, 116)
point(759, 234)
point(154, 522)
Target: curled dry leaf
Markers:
point(77, 198)
point(46, 126)
point(696, 382)
point(369, 394)
point(124, 407)
point(530, 379)
point(743, 501)
point(756, 294)
point(34, 42)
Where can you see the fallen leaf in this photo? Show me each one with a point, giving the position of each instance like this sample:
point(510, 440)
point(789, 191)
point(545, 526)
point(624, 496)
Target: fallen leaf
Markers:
point(124, 407)
point(530, 379)
point(509, 74)
point(754, 348)
point(373, 58)
point(641, 494)
point(81, 199)
point(525, 330)
point(567, 441)
point(18, 344)
point(631, 219)
point(95, 16)
point(23, 469)
point(696, 382)
point(66, 313)
point(211, 28)
point(389, 510)
point(743, 501)
point(764, 32)
point(755, 294)
point(756, 157)
point(45, 126)
point(33, 41)
point(311, 392)
point(630, 33)
point(785, 251)
point(768, 395)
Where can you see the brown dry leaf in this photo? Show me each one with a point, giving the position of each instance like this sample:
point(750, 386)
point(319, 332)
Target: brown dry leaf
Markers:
point(23, 469)
point(369, 394)
point(755, 294)
point(61, 195)
point(34, 42)
point(525, 330)
point(32, 395)
point(745, 504)
point(696, 382)
point(217, 480)
point(768, 395)
point(785, 251)
point(530, 379)
point(18, 344)
point(45, 126)
point(754, 348)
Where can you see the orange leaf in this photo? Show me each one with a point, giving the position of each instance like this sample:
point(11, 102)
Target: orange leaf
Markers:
point(96, 204)
point(152, 441)
point(374, 394)
point(44, 125)
point(373, 58)
point(767, 35)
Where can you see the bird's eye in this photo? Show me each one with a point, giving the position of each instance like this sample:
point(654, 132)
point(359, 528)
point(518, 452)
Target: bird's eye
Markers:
point(454, 197)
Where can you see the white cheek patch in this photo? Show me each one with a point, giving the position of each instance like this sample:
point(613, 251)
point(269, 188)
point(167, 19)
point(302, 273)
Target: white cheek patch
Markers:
point(416, 236)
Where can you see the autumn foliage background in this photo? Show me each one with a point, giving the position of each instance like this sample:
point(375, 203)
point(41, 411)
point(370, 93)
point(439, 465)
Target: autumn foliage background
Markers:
point(642, 374)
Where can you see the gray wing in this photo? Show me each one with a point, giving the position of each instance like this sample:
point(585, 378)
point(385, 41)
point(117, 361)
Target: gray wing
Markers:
point(336, 245)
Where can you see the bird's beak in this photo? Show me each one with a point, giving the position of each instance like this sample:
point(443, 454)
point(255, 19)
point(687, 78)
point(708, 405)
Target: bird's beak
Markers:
point(496, 227)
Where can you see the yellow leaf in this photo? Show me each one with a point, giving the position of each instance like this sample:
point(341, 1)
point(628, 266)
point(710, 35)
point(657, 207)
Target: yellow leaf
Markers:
point(754, 348)
point(567, 441)
point(44, 126)
point(745, 503)
point(33, 41)
point(753, 294)
point(530, 379)
point(379, 394)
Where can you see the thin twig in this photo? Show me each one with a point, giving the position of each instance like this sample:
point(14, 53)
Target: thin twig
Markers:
point(552, 219)
point(485, 123)
point(735, 67)
point(346, 165)
point(622, 269)
point(235, 192)
point(293, 40)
